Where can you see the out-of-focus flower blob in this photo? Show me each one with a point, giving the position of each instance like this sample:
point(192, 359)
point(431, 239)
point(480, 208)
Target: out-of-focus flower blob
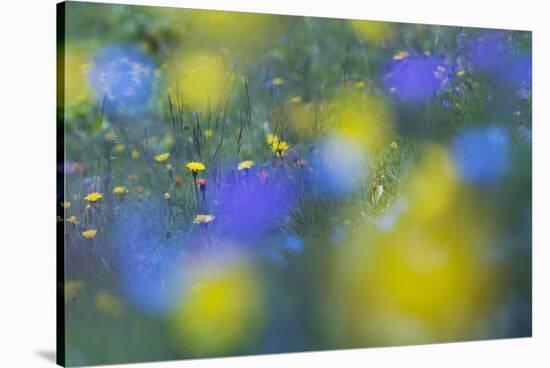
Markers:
point(417, 78)
point(339, 167)
point(124, 76)
point(481, 155)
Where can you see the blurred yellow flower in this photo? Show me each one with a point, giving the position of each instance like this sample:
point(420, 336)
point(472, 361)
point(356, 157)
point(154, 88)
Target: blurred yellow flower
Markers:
point(93, 197)
point(208, 133)
point(195, 167)
point(108, 304)
point(460, 73)
point(245, 165)
point(166, 196)
point(272, 139)
point(228, 294)
point(394, 145)
point(162, 157)
point(280, 147)
point(277, 81)
point(203, 219)
point(72, 289)
point(66, 204)
point(120, 190)
point(135, 154)
point(89, 234)
point(72, 220)
point(296, 99)
point(119, 148)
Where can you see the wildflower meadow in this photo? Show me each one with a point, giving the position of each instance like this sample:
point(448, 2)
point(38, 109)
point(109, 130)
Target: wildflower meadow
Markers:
point(236, 183)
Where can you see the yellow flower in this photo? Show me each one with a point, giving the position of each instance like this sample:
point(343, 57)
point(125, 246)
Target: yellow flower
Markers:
point(162, 157)
point(208, 133)
point(119, 148)
point(272, 139)
point(166, 196)
point(120, 190)
point(66, 204)
point(460, 73)
point(72, 289)
point(108, 304)
point(135, 154)
point(394, 145)
point(245, 165)
point(277, 81)
point(195, 167)
point(203, 219)
point(93, 197)
point(72, 220)
point(280, 147)
point(89, 234)
point(360, 84)
point(59, 219)
point(296, 99)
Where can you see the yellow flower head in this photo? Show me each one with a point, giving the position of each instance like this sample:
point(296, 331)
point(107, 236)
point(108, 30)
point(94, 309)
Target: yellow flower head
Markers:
point(277, 81)
point(195, 167)
point(93, 197)
point(394, 145)
point(89, 234)
point(162, 157)
point(401, 55)
point(166, 196)
point(135, 154)
point(203, 219)
point(120, 190)
point(245, 165)
point(280, 147)
point(272, 139)
point(119, 148)
point(360, 84)
point(72, 220)
point(66, 204)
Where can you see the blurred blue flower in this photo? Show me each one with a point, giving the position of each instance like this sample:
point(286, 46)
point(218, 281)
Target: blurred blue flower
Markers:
point(481, 155)
point(255, 204)
point(148, 261)
point(339, 166)
point(416, 78)
point(124, 76)
point(492, 53)
point(293, 244)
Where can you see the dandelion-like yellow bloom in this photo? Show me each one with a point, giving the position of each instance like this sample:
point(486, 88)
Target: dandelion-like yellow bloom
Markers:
point(89, 234)
point(272, 139)
point(280, 147)
point(394, 145)
point(72, 219)
point(203, 219)
point(245, 165)
point(277, 81)
point(162, 157)
point(120, 190)
point(166, 196)
point(135, 154)
point(66, 204)
point(93, 197)
point(195, 167)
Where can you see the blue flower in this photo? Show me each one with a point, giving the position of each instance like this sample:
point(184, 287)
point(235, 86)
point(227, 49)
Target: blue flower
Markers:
point(481, 155)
